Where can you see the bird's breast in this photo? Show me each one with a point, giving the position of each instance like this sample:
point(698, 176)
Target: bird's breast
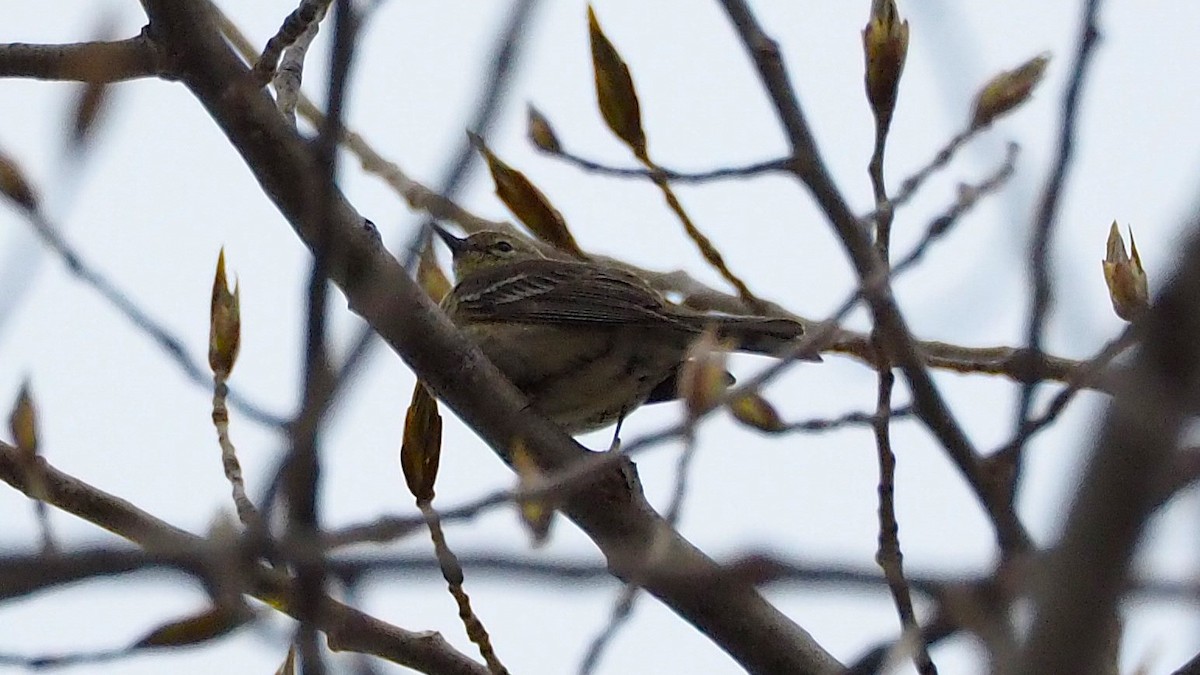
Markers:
point(582, 378)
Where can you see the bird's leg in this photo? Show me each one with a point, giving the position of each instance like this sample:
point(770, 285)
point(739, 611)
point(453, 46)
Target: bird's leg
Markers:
point(616, 441)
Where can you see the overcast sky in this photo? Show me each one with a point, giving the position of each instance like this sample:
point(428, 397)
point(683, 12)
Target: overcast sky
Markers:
point(162, 191)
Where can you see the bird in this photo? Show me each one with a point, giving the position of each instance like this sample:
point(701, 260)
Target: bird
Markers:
point(585, 342)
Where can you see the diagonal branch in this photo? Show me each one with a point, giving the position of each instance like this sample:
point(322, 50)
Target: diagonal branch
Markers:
point(609, 507)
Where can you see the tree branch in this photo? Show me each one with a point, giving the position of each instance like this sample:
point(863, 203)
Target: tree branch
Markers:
point(609, 507)
point(1010, 362)
point(905, 353)
point(1122, 485)
point(129, 59)
point(1041, 289)
point(674, 175)
point(347, 628)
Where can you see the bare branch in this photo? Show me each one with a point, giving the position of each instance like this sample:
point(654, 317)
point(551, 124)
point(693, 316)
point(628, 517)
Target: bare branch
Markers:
point(674, 175)
point(166, 341)
point(129, 59)
point(1043, 228)
point(295, 25)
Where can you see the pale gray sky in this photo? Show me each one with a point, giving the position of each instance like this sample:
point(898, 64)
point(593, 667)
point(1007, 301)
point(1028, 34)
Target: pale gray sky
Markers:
point(163, 191)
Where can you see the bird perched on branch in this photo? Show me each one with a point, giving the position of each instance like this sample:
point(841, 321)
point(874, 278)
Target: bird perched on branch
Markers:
point(585, 342)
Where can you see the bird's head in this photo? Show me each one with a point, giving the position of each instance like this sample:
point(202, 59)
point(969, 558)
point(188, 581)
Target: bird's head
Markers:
point(486, 249)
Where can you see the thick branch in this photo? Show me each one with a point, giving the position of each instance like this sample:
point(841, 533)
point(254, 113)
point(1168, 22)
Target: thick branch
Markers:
point(609, 507)
point(83, 61)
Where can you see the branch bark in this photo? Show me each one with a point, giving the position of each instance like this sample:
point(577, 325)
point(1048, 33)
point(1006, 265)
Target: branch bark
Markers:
point(83, 61)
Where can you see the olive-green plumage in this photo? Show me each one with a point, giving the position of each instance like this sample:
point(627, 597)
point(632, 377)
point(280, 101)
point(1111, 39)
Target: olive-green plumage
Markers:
point(585, 342)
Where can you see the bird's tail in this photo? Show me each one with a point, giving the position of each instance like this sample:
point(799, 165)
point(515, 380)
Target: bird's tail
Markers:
point(761, 335)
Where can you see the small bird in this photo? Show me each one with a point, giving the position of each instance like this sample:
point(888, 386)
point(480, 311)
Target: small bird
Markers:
point(585, 342)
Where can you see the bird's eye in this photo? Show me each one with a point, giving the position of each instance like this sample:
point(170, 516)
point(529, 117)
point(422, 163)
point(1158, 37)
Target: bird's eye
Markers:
point(504, 247)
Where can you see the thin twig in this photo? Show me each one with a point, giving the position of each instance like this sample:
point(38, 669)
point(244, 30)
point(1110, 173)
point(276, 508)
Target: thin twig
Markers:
point(290, 74)
point(301, 476)
point(294, 26)
point(912, 184)
point(707, 249)
point(674, 175)
point(1079, 379)
point(169, 343)
point(847, 420)
point(621, 611)
point(80, 658)
point(1041, 292)
point(889, 555)
point(876, 659)
point(391, 528)
point(453, 574)
point(415, 194)
point(242, 503)
point(42, 513)
point(35, 476)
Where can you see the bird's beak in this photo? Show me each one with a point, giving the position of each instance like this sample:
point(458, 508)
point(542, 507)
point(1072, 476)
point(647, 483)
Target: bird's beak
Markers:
point(455, 244)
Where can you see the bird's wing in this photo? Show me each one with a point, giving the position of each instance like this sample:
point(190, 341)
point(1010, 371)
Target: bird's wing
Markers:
point(562, 293)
